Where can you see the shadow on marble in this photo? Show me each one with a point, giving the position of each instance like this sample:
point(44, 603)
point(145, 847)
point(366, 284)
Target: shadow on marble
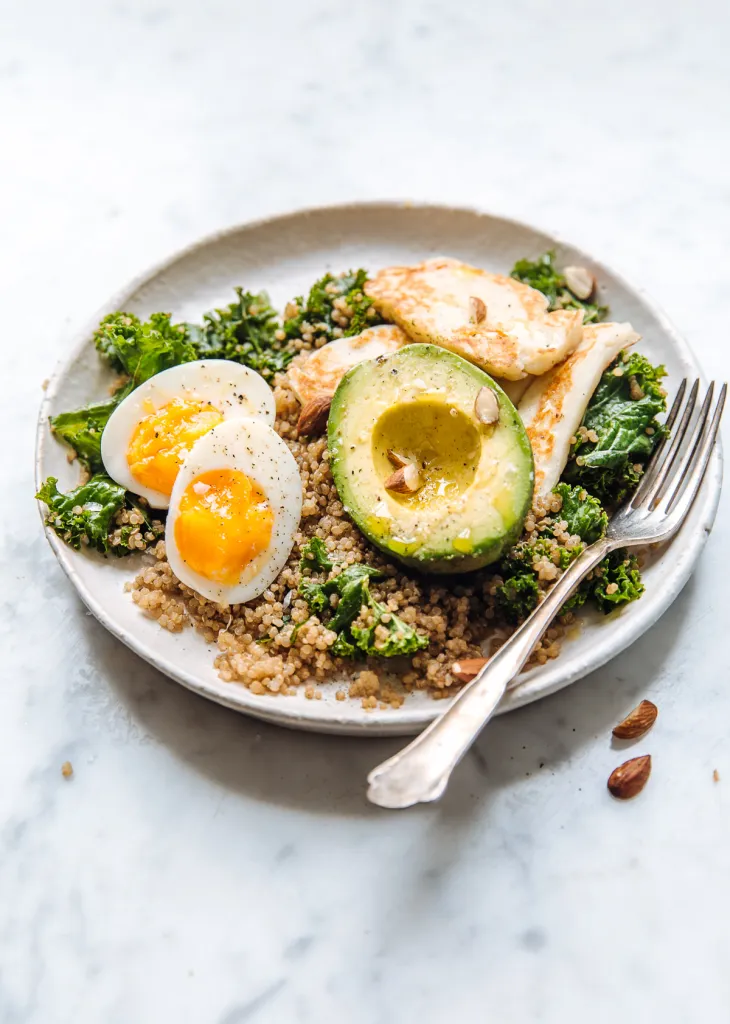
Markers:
point(326, 774)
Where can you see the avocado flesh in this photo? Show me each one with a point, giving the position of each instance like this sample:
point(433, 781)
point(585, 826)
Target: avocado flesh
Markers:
point(476, 480)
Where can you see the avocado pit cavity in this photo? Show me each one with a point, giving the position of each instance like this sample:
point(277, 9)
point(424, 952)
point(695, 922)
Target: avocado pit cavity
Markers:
point(438, 443)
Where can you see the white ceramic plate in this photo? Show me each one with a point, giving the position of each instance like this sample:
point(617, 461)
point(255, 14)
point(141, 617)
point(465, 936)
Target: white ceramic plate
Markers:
point(284, 255)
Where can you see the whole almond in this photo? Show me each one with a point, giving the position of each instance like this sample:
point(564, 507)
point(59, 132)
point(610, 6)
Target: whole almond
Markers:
point(580, 281)
point(477, 309)
point(630, 777)
point(637, 722)
point(405, 480)
point(486, 406)
point(464, 671)
point(313, 417)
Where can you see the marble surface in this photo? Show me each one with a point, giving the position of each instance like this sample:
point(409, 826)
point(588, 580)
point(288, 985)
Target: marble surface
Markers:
point(200, 867)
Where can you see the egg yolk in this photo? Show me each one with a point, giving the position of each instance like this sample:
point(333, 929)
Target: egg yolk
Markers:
point(224, 521)
point(163, 438)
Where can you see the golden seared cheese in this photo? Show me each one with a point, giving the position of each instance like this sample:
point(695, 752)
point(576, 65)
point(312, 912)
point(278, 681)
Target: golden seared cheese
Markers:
point(493, 321)
point(321, 372)
point(553, 406)
point(514, 389)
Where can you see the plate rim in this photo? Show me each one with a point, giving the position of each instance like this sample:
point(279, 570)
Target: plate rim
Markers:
point(397, 722)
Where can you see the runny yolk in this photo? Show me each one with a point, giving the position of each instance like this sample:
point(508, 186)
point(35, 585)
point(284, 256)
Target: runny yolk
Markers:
point(163, 438)
point(223, 523)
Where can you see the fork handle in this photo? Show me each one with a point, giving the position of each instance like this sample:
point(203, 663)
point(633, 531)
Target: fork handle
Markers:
point(420, 772)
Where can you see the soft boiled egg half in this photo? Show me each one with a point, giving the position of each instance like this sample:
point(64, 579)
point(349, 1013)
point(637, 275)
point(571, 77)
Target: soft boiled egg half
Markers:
point(234, 510)
point(151, 432)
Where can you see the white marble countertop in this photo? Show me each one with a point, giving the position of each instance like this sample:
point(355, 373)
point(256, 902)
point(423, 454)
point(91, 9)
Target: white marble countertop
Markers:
point(200, 867)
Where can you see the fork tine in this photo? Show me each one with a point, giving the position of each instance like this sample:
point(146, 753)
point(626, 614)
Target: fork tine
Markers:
point(674, 411)
point(675, 444)
point(694, 468)
point(657, 458)
point(686, 458)
point(683, 459)
point(664, 472)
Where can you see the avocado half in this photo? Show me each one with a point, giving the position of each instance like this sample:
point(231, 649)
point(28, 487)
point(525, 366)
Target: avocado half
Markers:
point(476, 480)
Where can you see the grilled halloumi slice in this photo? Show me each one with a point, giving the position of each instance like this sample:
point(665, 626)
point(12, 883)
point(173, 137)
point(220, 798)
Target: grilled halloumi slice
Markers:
point(321, 371)
point(515, 389)
point(494, 321)
point(553, 406)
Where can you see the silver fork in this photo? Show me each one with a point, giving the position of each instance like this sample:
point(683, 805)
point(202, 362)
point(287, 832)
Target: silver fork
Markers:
point(420, 772)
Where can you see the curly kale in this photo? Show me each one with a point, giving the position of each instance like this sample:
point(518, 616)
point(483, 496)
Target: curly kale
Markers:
point(352, 587)
point(82, 428)
point(85, 516)
point(622, 415)
point(621, 570)
point(543, 275)
point(519, 594)
point(245, 332)
point(614, 582)
point(314, 557)
point(142, 349)
point(319, 308)
point(113, 327)
point(582, 512)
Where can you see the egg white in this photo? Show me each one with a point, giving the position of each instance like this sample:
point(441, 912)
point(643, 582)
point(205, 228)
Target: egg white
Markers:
point(254, 448)
point(234, 390)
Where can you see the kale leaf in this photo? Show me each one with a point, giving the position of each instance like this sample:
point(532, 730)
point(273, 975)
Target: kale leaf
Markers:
point(582, 512)
point(245, 332)
point(519, 592)
point(113, 327)
point(82, 428)
point(622, 415)
point(518, 595)
point(86, 515)
point(619, 569)
point(143, 349)
point(319, 308)
point(543, 275)
point(352, 586)
point(314, 557)
point(402, 639)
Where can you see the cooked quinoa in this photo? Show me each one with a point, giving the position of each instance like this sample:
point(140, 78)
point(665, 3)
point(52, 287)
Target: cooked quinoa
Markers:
point(254, 640)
